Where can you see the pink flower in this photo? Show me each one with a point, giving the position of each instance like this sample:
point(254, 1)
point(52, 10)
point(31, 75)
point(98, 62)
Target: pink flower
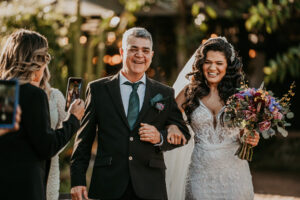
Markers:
point(278, 115)
point(249, 115)
point(252, 91)
point(264, 126)
point(268, 101)
point(251, 108)
point(238, 95)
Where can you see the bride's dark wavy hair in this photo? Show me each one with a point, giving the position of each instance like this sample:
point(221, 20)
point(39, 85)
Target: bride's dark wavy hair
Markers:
point(198, 87)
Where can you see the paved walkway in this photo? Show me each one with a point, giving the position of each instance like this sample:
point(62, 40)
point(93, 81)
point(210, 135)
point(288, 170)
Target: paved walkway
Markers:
point(276, 185)
point(269, 185)
point(256, 197)
point(273, 197)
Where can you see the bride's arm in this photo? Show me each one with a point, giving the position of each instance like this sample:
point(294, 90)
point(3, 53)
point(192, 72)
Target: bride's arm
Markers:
point(175, 136)
point(180, 99)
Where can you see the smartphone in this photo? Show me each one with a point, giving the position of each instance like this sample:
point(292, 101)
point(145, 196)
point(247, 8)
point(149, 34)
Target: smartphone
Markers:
point(9, 100)
point(73, 90)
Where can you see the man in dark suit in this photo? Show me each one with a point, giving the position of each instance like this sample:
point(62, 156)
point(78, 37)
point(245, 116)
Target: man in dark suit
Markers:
point(130, 113)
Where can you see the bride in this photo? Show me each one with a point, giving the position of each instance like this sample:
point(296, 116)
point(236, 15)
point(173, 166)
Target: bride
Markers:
point(206, 168)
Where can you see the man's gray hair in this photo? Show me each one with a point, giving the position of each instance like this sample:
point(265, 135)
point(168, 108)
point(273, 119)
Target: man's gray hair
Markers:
point(137, 32)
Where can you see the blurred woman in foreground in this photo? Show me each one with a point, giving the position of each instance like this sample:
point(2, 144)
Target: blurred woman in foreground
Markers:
point(24, 152)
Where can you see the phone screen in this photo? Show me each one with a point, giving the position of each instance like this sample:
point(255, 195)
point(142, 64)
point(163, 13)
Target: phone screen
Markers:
point(73, 91)
point(9, 97)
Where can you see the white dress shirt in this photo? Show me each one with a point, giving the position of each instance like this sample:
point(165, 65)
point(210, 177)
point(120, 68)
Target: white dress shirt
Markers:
point(127, 89)
point(125, 95)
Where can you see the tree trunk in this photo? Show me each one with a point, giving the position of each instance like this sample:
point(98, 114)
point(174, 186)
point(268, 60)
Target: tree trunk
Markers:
point(78, 49)
point(180, 38)
point(89, 64)
point(181, 35)
point(101, 52)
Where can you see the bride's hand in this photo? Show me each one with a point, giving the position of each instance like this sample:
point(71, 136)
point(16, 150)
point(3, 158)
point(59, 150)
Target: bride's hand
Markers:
point(253, 140)
point(175, 136)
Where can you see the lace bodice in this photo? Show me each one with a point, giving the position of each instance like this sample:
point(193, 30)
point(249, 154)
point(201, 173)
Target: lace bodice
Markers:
point(57, 115)
point(215, 172)
point(203, 123)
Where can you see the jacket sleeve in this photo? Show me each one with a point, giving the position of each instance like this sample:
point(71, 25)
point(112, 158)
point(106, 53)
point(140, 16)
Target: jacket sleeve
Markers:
point(46, 141)
point(174, 117)
point(83, 142)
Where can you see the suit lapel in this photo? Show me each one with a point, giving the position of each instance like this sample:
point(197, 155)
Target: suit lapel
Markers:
point(146, 104)
point(114, 90)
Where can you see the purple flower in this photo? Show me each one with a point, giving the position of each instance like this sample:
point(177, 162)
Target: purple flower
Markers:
point(239, 95)
point(273, 104)
point(248, 92)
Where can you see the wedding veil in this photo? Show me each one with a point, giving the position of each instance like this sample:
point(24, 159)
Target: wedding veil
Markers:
point(178, 160)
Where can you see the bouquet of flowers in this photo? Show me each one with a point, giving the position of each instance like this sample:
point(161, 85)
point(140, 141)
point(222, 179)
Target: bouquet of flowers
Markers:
point(257, 109)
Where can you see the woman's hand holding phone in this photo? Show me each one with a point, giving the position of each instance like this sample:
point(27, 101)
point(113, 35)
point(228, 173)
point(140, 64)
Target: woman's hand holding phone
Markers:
point(77, 108)
point(16, 125)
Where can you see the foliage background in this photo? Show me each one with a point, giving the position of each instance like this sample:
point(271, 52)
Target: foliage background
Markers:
point(85, 44)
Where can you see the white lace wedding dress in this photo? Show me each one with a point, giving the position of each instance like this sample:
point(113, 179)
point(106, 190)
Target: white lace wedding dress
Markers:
point(215, 172)
point(57, 115)
point(206, 168)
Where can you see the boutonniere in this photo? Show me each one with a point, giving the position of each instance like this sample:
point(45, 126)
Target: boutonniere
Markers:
point(157, 102)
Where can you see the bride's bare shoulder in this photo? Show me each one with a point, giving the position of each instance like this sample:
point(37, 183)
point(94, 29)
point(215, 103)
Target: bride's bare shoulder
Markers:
point(180, 98)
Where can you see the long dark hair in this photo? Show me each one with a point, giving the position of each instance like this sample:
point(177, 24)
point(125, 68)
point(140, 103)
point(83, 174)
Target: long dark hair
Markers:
point(198, 87)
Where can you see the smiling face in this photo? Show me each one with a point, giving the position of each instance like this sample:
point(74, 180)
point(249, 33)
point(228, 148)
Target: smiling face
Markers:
point(214, 67)
point(137, 57)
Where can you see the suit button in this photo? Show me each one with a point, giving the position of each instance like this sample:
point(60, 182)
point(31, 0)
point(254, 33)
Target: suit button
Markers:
point(131, 139)
point(130, 158)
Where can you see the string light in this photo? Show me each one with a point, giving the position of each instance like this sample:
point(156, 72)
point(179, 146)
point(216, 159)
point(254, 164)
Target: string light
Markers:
point(95, 60)
point(252, 53)
point(107, 59)
point(82, 39)
point(114, 21)
point(199, 19)
point(116, 59)
point(253, 38)
point(111, 37)
point(63, 41)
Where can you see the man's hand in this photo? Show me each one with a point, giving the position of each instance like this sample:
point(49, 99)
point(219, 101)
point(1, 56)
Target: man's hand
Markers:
point(77, 108)
point(16, 127)
point(253, 140)
point(78, 191)
point(175, 136)
point(149, 133)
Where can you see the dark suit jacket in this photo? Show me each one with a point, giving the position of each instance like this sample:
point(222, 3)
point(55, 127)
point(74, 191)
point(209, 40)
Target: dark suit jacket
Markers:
point(121, 155)
point(23, 153)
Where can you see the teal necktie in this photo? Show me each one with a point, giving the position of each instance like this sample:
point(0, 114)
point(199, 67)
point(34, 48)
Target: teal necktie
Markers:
point(133, 105)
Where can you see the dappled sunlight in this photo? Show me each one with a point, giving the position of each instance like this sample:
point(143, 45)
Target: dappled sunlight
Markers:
point(85, 36)
point(274, 197)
